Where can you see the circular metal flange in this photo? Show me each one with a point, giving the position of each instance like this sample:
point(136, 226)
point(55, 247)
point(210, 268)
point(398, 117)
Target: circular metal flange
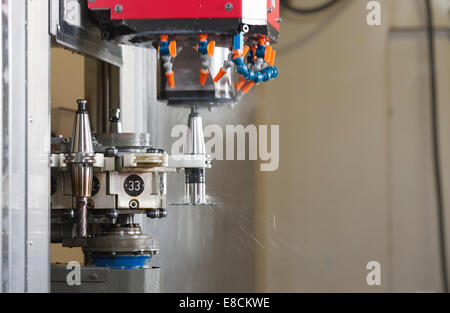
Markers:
point(129, 244)
point(125, 240)
point(123, 142)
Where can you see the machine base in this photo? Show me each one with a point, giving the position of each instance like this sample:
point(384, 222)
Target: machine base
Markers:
point(103, 280)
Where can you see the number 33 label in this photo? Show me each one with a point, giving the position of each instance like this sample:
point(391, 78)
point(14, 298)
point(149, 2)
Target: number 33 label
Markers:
point(133, 185)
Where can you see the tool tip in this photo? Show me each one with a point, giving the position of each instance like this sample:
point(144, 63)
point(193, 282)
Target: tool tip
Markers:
point(82, 104)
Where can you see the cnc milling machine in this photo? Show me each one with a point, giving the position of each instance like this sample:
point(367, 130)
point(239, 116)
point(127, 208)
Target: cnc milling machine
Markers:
point(210, 54)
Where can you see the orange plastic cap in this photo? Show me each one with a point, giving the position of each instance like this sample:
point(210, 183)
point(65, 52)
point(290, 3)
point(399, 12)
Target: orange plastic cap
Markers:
point(219, 75)
point(203, 77)
point(248, 85)
point(211, 47)
point(246, 49)
point(240, 83)
point(272, 57)
point(262, 40)
point(235, 54)
point(173, 48)
point(268, 53)
point(171, 79)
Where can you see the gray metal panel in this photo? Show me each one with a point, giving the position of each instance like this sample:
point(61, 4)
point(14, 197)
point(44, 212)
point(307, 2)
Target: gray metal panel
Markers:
point(13, 146)
point(205, 248)
point(24, 200)
point(4, 85)
point(74, 30)
point(103, 279)
point(38, 168)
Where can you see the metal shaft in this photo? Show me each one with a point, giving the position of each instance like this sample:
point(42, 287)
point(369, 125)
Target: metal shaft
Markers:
point(115, 125)
point(82, 217)
point(195, 192)
point(81, 159)
point(195, 189)
point(195, 141)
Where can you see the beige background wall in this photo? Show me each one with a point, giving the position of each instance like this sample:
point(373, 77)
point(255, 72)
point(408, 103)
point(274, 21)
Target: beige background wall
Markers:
point(67, 85)
point(355, 181)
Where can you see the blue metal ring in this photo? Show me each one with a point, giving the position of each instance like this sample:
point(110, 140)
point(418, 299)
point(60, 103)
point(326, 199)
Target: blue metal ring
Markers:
point(120, 261)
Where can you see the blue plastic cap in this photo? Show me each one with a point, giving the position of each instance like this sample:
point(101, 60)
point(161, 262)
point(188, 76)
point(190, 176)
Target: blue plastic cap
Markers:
point(238, 42)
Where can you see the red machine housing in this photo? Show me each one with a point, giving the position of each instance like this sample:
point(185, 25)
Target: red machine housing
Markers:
point(142, 22)
point(169, 9)
point(189, 16)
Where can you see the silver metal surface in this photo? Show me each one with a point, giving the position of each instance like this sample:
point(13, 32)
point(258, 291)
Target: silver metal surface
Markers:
point(38, 82)
point(13, 145)
point(82, 216)
point(103, 279)
point(195, 193)
point(209, 240)
point(81, 180)
point(122, 243)
point(195, 139)
point(115, 127)
point(81, 159)
point(81, 135)
point(24, 144)
point(115, 240)
point(75, 30)
point(122, 141)
point(81, 155)
point(115, 124)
